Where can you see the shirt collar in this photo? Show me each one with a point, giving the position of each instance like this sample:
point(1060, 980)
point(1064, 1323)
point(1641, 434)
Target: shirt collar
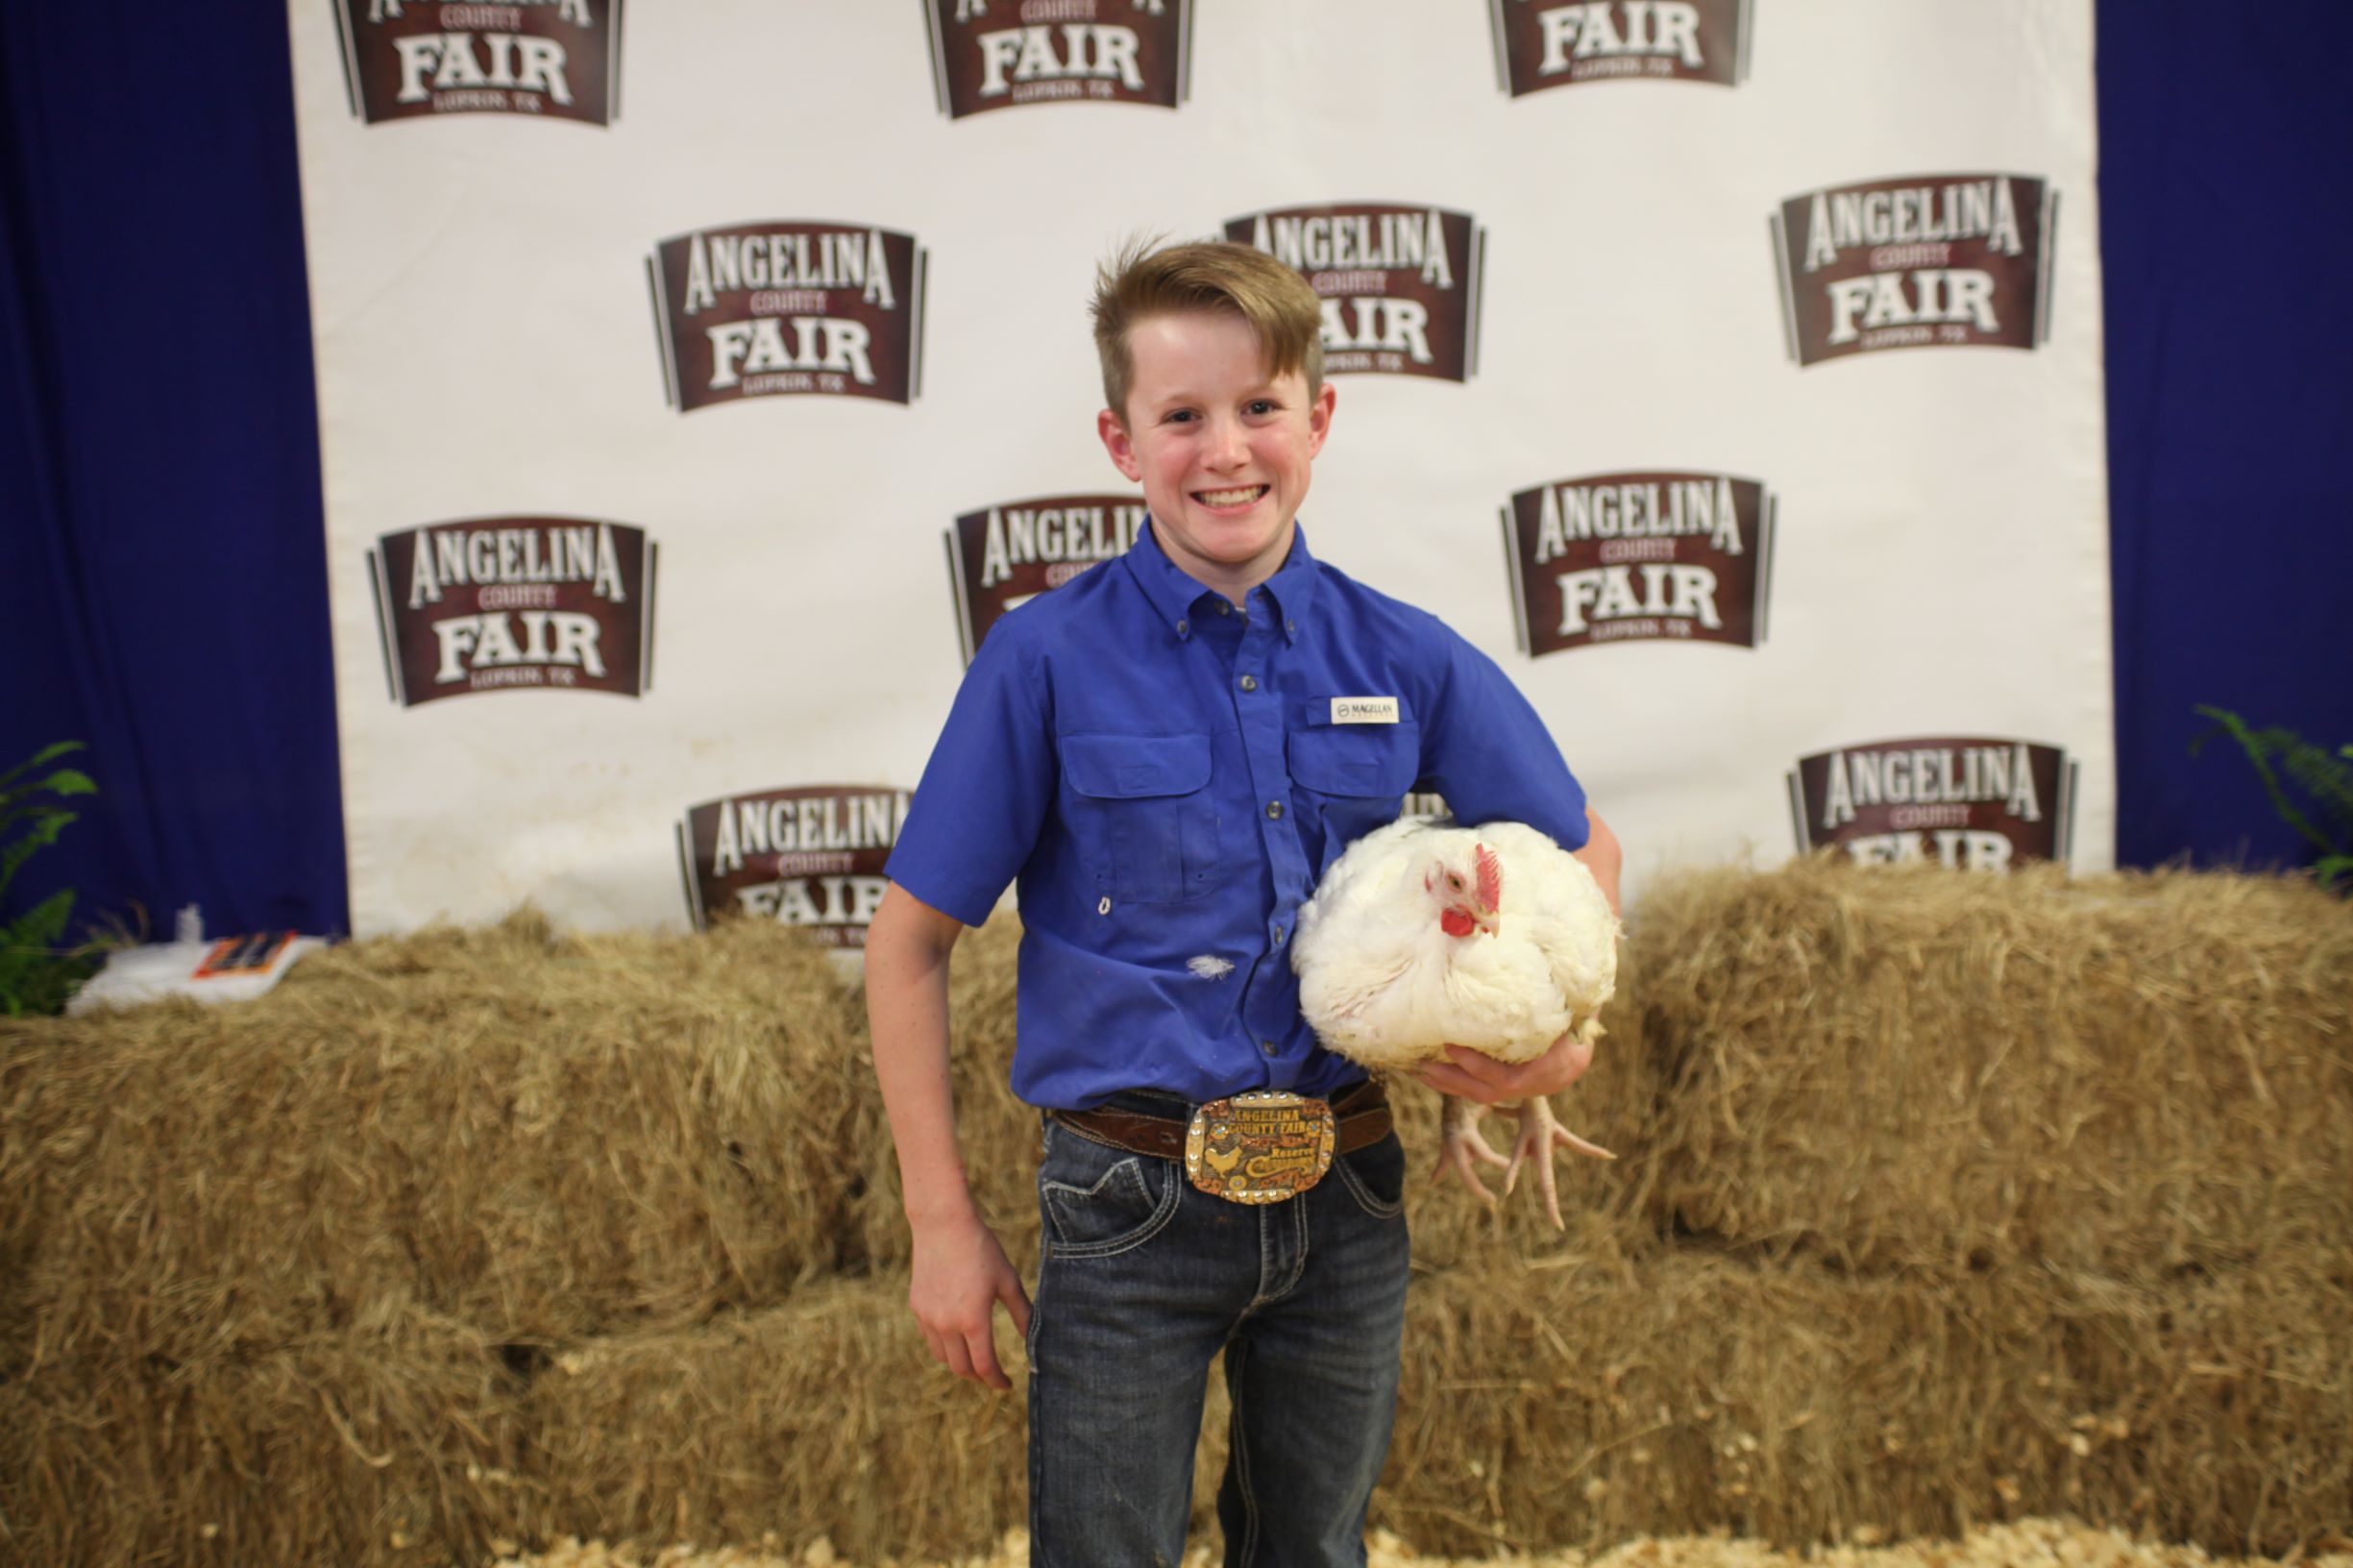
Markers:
point(1175, 592)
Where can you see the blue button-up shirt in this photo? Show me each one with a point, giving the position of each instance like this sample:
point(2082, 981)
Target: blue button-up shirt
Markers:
point(1167, 776)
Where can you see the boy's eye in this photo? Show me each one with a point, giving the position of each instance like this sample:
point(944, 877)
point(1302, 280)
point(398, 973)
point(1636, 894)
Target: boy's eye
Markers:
point(1181, 416)
point(1262, 406)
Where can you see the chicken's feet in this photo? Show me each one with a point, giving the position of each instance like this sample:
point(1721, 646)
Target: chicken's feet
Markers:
point(1463, 1148)
point(1539, 1134)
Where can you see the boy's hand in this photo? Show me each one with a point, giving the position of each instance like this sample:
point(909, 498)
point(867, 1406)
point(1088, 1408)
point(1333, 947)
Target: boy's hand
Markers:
point(1471, 1076)
point(961, 1273)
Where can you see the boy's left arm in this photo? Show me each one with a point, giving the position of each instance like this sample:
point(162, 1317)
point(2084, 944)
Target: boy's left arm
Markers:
point(1602, 856)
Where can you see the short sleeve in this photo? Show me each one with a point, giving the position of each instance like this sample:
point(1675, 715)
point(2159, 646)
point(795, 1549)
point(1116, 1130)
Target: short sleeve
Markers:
point(984, 795)
point(1486, 749)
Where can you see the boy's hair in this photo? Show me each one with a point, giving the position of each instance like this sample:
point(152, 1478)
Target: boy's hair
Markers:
point(1140, 283)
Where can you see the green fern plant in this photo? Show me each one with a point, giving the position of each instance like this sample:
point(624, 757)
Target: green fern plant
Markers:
point(2325, 778)
point(35, 976)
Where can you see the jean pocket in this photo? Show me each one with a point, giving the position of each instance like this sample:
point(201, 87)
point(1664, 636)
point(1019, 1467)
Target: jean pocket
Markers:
point(1375, 1176)
point(1098, 1201)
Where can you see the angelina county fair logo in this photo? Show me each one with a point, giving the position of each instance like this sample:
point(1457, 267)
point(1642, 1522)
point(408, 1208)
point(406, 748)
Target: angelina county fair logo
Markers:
point(789, 306)
point(998, 54)
point(556, 59)
point(1974, 804)
point(1540, 45)
point(1400, 284)
point(811, 856)
point(1007, 555)
point(1949, 260)
point(1667, 556)
point(506, 604)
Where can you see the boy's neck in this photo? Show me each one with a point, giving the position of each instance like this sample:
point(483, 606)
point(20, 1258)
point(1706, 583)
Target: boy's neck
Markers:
point(1234, 582)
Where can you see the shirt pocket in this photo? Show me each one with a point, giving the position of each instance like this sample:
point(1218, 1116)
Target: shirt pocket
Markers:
point(1355, 777)
point(1142, 810)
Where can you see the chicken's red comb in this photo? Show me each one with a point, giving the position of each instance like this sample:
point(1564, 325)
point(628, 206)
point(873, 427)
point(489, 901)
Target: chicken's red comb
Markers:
point(1490, 876)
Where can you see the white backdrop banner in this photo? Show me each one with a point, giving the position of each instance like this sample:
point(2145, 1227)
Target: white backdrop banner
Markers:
point(1768, 332)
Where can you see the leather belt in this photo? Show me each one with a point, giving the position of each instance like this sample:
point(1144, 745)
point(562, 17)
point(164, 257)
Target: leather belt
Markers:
point(1363, 1112)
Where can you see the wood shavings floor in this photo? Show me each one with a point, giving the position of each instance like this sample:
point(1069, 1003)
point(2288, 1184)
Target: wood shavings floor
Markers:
point(2033, 1543)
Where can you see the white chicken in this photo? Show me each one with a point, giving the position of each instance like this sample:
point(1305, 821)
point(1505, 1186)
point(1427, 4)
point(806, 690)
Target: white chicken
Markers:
point(1496, 939)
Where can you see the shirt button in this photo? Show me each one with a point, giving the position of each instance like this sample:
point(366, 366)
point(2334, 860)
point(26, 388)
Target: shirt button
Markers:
point(1250, 683)
point(1225, 607)
point(1267, 1046)
point(1277, 936)
point(1183, 627)
point(1292, 626)
point(1274, 811)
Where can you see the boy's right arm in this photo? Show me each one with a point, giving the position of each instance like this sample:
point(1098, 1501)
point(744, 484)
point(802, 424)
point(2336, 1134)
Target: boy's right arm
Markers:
point(960, 1270)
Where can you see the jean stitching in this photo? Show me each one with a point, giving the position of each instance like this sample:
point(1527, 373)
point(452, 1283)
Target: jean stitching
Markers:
point(1238, 1453)
point(1037, 1468)
point(1299, 1252)
point(1365, 1196)
point(1260, 1296)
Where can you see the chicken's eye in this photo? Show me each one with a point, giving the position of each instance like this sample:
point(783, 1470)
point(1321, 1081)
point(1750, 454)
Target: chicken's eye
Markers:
point(1453, 881)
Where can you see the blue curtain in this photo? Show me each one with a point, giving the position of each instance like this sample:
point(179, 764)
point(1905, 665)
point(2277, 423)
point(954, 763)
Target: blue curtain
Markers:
point(2226, 220)
point(164, 597)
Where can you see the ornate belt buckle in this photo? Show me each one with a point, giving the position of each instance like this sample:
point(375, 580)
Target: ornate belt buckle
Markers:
point(1260, 1147)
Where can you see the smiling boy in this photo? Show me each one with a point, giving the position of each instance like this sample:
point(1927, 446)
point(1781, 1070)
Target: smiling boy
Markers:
point(1165, 753)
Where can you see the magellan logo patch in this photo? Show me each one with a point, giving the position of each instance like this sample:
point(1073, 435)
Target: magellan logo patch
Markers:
point(1001, 54)
point(1399, 284)
point(789, 306)
point(1007, 555)
point(557, 59)
point(809, 856)
point(508, 603)
point(1664, 555)
point(1971, 803)
point(1539, 45)
point(1932, 260)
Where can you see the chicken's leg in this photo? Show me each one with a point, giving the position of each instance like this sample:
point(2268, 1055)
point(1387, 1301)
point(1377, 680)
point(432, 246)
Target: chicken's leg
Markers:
point(1539, 1134)
point(1463, 1148)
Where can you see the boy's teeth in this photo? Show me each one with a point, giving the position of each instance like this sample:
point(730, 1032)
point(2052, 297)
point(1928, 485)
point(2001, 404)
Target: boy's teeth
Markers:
point(1232, 497)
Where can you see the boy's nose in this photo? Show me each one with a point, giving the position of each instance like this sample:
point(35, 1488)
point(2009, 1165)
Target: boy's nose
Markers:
point(1229, 446)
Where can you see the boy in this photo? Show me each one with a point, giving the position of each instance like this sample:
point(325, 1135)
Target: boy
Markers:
point(1157, 751)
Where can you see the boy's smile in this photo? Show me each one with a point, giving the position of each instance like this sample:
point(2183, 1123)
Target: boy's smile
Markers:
point(1223, 450)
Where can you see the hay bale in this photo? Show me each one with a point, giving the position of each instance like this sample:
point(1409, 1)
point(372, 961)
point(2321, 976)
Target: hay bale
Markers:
point(1588, 1397)
point(822, 1417)
point(1894, 1070)
point(394, 1443)
point(550, 1136)
point(1921, 1223)
point(546, 1137)
point(1613, 1398)
point(824, 1420)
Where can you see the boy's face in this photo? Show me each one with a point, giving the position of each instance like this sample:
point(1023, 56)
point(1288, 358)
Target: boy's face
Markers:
point(1223, 450)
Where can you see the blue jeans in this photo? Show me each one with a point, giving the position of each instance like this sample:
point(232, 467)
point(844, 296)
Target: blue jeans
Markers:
point(1143, 1279)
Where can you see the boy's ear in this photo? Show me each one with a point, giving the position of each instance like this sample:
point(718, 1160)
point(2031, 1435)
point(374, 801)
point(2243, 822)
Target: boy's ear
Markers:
point(1115, 441)
point(1319, 417)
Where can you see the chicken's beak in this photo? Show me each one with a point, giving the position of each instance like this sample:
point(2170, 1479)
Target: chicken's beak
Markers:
point(1490, 920)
